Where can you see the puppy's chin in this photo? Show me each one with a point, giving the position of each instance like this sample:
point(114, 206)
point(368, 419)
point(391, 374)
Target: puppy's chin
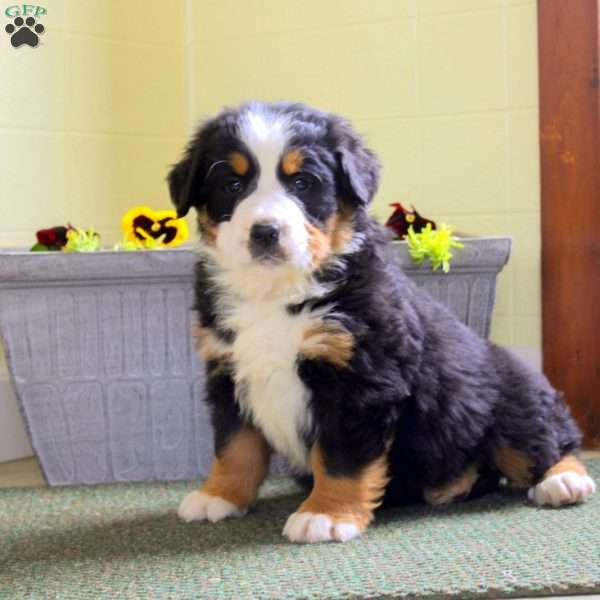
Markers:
point(269, 261)
point(269, 258)
point(228, 259)
point(265, 279)
point(280, 283)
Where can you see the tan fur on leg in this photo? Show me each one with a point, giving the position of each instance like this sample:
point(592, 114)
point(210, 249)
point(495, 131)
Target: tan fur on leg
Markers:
point(514, 465)
point(458, 487)
point(569, 463)
point(346, 499)
point(241, 467)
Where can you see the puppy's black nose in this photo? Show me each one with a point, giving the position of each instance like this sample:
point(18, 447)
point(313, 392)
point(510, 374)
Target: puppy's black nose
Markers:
point(264, 234)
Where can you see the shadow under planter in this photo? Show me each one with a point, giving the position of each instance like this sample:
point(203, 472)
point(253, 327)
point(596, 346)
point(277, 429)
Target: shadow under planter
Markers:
point(102, 359)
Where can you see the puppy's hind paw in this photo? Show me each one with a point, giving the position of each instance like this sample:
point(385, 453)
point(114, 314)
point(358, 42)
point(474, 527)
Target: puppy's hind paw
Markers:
point(198, 506)
point(563, 488)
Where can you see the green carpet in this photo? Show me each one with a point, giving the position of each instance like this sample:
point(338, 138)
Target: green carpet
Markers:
point(124, 541)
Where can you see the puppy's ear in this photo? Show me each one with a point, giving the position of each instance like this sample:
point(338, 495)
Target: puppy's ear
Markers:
point(178, 183)
point(186, 180)
point(358, 167)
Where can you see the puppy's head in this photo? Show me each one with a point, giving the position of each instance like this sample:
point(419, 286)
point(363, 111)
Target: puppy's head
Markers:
point(276, 186)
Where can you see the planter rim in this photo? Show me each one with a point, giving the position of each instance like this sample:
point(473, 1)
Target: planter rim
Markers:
point(8, 251)
point(468, 238)
point(480, 254)
point(102, 251)
point(22, 267)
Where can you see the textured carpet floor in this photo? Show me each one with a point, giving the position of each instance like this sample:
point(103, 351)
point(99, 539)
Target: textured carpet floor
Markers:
point(124, 541)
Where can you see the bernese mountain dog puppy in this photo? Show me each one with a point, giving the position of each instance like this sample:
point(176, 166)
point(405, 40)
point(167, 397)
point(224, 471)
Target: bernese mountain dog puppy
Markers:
point(318, 347)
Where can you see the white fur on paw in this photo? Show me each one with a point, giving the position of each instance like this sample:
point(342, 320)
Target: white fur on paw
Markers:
point(199, 506)
point(563, 488)
point(309, 528)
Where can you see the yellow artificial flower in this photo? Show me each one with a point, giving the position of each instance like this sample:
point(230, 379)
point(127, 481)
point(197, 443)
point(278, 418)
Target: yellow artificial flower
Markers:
point(149, 228)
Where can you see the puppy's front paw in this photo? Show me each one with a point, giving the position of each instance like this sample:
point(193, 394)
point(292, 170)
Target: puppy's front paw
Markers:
point(307, 527)
point(198, 506)
point(562, 488)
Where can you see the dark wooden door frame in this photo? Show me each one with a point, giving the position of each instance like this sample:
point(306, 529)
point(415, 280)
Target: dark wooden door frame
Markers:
point(569, 52)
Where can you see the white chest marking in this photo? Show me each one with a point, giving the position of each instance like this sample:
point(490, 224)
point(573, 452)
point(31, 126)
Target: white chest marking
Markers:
point(265, 352)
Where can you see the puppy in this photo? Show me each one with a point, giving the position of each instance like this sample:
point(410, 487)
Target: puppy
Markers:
point(317, 346)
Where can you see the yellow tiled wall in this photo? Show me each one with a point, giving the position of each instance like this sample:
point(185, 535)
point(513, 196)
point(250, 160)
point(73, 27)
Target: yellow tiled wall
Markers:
point(444, 90)
point(90, 119)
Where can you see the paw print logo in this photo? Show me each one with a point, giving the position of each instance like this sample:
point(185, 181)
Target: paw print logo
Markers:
point(24, 32)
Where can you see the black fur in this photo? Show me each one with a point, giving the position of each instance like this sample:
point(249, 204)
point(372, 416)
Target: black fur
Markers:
point(445, 396)
point(419, 381)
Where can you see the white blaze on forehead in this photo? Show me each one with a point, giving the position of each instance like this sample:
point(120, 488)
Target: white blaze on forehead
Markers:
point(266, 135)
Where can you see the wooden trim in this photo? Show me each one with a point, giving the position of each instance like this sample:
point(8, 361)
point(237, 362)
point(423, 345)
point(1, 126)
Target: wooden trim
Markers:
point(570, 176)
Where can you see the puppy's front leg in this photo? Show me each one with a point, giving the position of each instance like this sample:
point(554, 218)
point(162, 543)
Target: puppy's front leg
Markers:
point(241, 460)
point(340, 506)
point(349, 464)
point(233, 482)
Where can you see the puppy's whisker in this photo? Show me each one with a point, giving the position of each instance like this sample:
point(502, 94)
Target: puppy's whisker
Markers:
point(213, 165)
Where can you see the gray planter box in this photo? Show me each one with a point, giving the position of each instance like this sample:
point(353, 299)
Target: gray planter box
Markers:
point(103, 363)
point(469, 289)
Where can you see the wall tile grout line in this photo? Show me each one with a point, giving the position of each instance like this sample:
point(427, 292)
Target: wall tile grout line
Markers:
point(90, 133)
point(107, 39)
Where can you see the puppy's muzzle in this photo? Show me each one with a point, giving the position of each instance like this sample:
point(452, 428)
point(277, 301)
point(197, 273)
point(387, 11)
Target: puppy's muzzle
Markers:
point(264, 242)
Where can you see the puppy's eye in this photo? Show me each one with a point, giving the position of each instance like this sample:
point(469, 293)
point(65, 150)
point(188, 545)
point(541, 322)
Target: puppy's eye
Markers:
point(233, 187)
point(302, 183)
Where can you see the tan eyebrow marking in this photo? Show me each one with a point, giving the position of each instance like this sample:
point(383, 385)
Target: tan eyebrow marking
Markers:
point(239, 163)
point(292, 162)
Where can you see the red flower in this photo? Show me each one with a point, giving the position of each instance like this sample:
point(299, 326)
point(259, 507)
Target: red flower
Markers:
point(55, 237)
point(402, 219)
